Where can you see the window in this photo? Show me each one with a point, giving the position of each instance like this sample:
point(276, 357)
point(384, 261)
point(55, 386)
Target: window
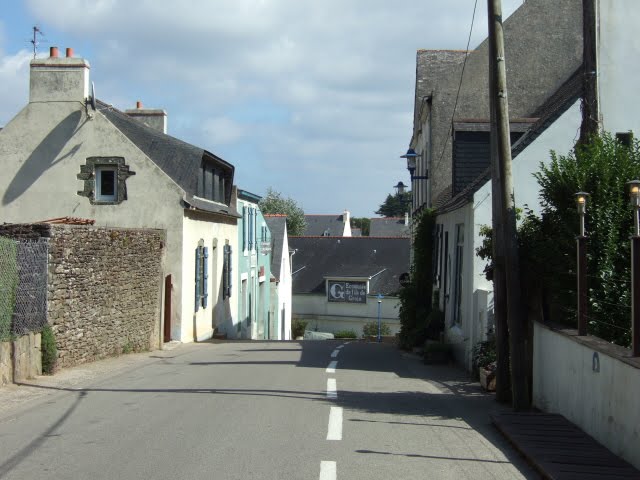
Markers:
point(625, 138)
point(211, 183)
point(104, 180)
point(457, 305)
point(202, 276)
point(106, 184)
point(226, 272)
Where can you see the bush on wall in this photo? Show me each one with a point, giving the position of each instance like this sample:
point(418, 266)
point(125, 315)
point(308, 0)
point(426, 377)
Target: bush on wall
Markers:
point(49, 350)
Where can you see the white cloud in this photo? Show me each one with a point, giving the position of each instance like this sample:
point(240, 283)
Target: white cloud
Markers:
point(14, 78)
point(343, 72)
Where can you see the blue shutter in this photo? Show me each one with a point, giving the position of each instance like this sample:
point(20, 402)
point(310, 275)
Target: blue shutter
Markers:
point(250, 229)
point(230, 283)
point(244, 228)
point(205, 279)
point(197, 302)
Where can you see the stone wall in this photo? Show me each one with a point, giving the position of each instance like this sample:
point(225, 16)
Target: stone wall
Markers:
point(104, 291)
point(104, 288)
point(20, 359)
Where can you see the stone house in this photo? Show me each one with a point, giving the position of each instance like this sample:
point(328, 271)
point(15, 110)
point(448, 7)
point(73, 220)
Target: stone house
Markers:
point(543, 43)
point(68, 154)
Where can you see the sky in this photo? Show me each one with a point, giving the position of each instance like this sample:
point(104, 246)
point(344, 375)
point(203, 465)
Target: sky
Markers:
point(312, 98)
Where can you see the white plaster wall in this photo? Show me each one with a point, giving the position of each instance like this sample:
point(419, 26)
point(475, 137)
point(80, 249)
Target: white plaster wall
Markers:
point(331, 317)
point(459, 335)
point(604, 404)
point(213, 230)
point(619, 69)
point(41, 150)
point(284, 290)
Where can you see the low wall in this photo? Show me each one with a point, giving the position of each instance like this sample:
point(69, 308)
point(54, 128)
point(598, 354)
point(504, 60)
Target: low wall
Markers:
point(594, 384)
point(104, 288)
point(20, 359)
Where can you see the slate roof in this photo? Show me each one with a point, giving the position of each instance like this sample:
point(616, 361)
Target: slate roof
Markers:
point(388, 227)
point(382, 259)
point(548, 113)
point(277, 226)
point(318, 224)
point(180, 160)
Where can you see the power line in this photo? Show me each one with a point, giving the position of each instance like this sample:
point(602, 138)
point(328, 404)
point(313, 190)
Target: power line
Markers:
point(455, 105)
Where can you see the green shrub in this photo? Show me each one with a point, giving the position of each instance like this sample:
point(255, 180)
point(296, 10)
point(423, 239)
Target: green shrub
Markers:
point(49, 351)
point(484, 354)
point(298, 327)
point(345, 334)
point(370, 329)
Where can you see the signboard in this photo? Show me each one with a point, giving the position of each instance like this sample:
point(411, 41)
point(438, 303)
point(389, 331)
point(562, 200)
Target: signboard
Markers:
point(347, 292)
point(265, 248)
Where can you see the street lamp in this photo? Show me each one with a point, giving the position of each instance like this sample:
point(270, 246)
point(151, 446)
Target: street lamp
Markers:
point(581, 204)
point(634, 197)
point(411, 157)
point(400, 188)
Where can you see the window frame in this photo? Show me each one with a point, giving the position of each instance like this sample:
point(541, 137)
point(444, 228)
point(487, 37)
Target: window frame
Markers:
point(98, 195)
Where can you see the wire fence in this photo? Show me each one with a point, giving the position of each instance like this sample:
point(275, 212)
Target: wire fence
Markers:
point(23, 286)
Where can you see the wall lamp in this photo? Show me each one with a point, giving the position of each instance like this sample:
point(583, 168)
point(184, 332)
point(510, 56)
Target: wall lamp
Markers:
point(411, 157)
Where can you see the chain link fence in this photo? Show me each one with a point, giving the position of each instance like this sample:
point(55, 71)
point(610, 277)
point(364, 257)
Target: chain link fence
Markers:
point(23, 286)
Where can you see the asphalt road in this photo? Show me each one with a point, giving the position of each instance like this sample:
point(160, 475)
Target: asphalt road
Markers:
point(257, 410)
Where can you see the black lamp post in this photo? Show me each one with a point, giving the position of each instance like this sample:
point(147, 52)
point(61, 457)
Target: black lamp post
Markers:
point(634, 196)
point(400, 188)
point(581, 203)
point(411, 157)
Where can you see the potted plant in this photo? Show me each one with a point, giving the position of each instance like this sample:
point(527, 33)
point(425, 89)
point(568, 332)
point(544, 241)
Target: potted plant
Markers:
point(484, 360)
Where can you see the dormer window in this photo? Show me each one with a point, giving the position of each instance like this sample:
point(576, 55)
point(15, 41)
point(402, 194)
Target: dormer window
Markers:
point(211, 183)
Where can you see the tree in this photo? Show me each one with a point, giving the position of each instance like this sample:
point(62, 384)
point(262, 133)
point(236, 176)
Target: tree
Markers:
point(364, 224)
point(275, 203)
point(395, 205)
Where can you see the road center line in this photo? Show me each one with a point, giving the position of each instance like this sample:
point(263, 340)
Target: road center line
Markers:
point(332, 367)
point(335, 353)
point(339, 347)
point(328, 470)
point(334, 432)
point(332, 389)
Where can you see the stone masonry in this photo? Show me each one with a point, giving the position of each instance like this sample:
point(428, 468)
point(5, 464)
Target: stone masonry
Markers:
point(104, 289)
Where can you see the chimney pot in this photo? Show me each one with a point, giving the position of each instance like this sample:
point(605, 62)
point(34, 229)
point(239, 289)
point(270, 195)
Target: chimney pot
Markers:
point(69, 52)
point(138, 104)
point(53, 52)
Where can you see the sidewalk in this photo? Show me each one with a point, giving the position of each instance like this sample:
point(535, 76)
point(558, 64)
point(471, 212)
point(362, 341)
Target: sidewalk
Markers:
point(16, 397)
point(559, 450)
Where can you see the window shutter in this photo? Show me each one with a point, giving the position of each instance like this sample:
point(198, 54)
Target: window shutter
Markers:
point(244, 228)
point(205, 279)
point(250, 228)
point(197, 302)
point(229, 270)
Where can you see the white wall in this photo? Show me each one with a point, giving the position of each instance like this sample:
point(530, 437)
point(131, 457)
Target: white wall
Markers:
point(41, 150)
point(619, 69)
point(334, 316)
point(200, 325)
point(284, 290)
point(603, 403)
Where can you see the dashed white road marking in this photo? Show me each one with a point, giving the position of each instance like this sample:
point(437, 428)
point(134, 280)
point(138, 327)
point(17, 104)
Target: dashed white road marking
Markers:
point(332, 366)
point(335, 353)
point(332, 389)
point(334, 432)
point(339, 347)
point(328, 470)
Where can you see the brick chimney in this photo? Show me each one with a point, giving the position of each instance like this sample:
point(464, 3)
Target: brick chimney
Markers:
point(152, 117)
point(59, 79)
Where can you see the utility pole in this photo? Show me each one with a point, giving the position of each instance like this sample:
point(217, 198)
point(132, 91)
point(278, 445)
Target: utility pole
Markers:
point(507, 212)
point(590, 108)
point(503, 382)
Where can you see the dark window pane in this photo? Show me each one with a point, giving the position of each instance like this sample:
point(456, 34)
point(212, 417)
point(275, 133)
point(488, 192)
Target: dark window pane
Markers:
point(107, 183)
point(208, 181)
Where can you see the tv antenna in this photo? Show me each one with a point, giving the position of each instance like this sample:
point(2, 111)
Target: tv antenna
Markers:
point(34, 41)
